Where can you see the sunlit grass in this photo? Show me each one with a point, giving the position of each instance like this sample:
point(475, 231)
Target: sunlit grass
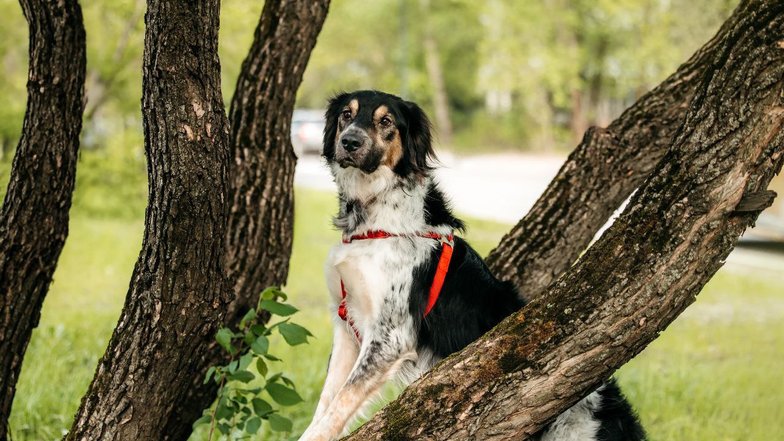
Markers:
point(715, 374)
point(79, 314)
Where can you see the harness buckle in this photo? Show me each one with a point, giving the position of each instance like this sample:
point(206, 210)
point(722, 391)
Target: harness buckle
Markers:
point(447, 239)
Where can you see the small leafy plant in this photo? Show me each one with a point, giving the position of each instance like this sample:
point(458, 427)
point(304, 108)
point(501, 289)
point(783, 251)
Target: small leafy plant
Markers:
point(241, 406)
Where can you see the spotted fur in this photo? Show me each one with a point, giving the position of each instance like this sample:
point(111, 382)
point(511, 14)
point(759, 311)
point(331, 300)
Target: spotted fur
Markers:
point(378, 148)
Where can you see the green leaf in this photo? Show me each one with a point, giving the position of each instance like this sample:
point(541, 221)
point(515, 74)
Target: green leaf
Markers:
point(283, 395)
point(248, 338)
point(242, 376)
point(245, 361)
point(258, 329)
point(253, 424)
point(271, 357)
point(261, 407)
point(203, 420)
point(223, 337)
point(279, 423)
point(293, 333)
point(260, 346)
point(272, 293)
point(224, 428)
point(268, 293)
point(208, 377)
point(276, 308)
point(244, 414)
point(287, 381)
point(248, 317)
point(223, 412)
point(232, 367)
point(261, 367)
point(251, 391)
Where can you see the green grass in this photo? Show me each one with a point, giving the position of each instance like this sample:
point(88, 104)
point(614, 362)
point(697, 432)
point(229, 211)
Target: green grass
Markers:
point(715, 374)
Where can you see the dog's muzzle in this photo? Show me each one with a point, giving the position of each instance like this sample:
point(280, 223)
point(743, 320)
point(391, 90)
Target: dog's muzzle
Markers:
point(353, 145)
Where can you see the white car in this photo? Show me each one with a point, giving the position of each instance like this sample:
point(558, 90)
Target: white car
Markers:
point(307, 131)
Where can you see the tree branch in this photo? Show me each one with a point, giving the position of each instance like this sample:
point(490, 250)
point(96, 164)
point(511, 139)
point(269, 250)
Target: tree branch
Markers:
point(643, 272)
point(601, 173)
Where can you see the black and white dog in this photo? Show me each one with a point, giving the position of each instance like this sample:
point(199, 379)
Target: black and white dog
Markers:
point(407, 292)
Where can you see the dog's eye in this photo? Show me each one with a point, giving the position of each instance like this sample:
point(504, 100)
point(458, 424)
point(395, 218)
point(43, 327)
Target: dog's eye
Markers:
point(385, 122)
point(346, 115)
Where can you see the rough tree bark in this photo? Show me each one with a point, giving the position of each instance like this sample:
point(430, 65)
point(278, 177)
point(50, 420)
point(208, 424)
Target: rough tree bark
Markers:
point(260, 230)
point(602, 171)
point(673, 236)
point(178, 293)
point(34, 219)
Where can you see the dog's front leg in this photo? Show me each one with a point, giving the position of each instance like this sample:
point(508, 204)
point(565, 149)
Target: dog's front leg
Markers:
point(373, 367)
point(345, 350)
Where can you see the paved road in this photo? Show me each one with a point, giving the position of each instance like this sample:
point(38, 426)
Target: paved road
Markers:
point(503, 187)
point(497, 187)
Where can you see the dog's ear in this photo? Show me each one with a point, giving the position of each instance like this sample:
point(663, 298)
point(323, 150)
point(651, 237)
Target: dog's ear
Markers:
point(418, 151)
point(334, 107)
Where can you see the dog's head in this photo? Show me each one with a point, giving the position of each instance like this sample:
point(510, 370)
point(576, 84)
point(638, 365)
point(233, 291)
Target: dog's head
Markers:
point(369, 129)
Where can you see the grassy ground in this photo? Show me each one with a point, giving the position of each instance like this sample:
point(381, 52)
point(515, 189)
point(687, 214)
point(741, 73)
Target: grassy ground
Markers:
point(714, 375)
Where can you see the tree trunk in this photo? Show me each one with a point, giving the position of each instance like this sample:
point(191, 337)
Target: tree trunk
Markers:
point(178, 293)
point(260, 229)
point(673, 236)
point(601, 173)
point(260, 232)
point(34, 219)
point(578, 120)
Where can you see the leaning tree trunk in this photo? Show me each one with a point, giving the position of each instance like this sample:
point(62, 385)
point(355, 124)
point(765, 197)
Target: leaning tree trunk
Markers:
point(261, 220)
point(178, 293)
point(673, 236)
point(34, 219)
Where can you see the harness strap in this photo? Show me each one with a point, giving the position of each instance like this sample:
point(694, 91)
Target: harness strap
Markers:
point(443, 267)
point(343, 312)
point(380, 234)
point(447, 247)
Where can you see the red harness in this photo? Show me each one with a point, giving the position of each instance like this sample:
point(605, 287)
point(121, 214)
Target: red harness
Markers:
point(447, 245)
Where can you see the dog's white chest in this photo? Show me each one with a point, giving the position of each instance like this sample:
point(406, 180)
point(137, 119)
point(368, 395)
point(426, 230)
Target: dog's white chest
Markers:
point(375, 274)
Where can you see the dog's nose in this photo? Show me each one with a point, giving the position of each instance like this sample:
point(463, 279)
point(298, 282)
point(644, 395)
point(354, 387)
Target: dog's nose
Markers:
point(351, 141)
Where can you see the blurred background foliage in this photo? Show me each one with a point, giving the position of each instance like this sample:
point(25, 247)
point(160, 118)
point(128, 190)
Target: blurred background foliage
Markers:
point(495, 74)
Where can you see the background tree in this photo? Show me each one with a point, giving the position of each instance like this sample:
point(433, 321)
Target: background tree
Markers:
point(536, 61)
point(34, 218)
point(647, 268)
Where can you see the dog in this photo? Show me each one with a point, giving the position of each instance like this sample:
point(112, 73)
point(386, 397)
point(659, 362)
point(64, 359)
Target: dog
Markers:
point(407, 291)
